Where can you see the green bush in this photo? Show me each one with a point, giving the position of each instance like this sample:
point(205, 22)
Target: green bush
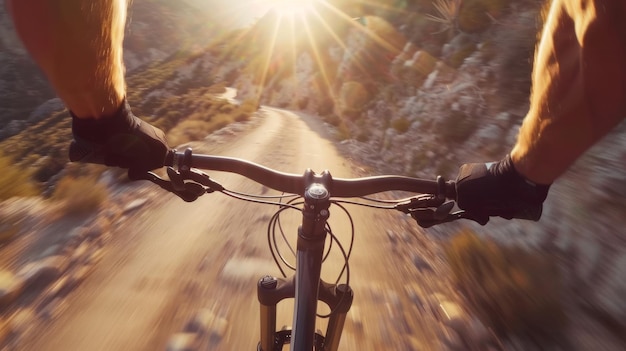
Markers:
point(512, 290)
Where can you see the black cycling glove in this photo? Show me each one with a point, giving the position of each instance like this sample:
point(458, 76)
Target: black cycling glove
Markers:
point(122, 140)
point(497, 189)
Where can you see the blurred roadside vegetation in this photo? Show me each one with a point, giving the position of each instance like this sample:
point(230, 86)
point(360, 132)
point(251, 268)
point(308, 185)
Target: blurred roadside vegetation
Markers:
point(184, 106)
point(514, 291)
point(15, 180)
point(79, 195)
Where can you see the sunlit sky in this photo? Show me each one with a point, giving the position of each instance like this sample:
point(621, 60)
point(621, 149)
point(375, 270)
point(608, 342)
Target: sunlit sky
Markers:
point(244, 12)
point(297, 25)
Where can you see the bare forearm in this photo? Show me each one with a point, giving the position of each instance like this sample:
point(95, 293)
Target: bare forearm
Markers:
point(78, 45)
point(579, 87)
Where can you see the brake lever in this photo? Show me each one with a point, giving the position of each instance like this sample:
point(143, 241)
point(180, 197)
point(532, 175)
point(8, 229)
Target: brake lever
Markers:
point(429, 211)
point(425, 222)
point(204, 179)
point(189, 192)
point(419, 202)
point(178, 183)
point(427, 217)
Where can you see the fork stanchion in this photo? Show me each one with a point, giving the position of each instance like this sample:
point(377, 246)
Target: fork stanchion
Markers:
point(339, 299)
point(270, 291)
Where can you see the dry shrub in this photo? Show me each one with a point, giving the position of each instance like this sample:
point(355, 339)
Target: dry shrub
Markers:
point(15, 181)
point(217, 88)
point(514, 48)
point(446, 12)
point(10, 225)
point(197, 113)
point(401, 124)
point(220, 121)
point(457, 127)
point(303, 103)
point(384, 34)
point(516, 292)
point(80, 195)
point(197, 129)
point(476, 15)
point(249, 106)
point(332, 119)
point(226, 108)
point(343, 132)
point(353, 97)
point(458, 57)
point(325, 107)
point(187, 130)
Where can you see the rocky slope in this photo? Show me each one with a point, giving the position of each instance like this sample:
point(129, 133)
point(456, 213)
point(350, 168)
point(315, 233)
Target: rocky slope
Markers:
point(22, 85)
point(156, 30)
point(458, 94)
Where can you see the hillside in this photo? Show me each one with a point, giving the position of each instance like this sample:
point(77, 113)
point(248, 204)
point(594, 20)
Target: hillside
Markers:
point(157, 29)
point(168, 75)
point(419, 95)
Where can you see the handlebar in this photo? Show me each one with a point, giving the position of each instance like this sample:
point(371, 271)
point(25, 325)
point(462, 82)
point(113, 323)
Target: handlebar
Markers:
point(428, 208)
point(295, 184)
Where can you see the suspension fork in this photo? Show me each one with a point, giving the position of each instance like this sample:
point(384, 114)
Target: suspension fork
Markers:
point(306, 286)
point(272, 290)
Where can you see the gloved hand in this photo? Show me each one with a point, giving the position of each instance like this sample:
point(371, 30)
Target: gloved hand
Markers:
point(497, 189)
point(122, 140)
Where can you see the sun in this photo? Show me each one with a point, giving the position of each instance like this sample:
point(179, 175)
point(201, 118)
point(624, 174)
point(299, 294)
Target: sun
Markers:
point(291, 7)
point(293, 27)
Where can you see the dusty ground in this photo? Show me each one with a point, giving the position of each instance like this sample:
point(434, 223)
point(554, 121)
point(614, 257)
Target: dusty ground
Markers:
point(169, 261)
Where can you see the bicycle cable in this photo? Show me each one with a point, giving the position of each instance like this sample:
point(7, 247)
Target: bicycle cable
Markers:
point(347, 258)
point(293, 204)
point(282, 196)
point(275, 223)
point(271, 233)
point(345, 268)
point(255, 199)
point(365, 204)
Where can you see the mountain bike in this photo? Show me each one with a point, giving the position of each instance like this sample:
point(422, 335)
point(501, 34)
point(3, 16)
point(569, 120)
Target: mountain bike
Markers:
point(312, 194)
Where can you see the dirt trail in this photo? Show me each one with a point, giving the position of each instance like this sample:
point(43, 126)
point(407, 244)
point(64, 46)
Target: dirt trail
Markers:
point(173, 258)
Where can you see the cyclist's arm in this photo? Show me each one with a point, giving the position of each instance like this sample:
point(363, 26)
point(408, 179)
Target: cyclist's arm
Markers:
point(78, 45)
point(579, 86)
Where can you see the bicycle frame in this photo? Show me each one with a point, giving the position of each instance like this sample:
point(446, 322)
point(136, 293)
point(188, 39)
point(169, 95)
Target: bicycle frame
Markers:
point(306, 286)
